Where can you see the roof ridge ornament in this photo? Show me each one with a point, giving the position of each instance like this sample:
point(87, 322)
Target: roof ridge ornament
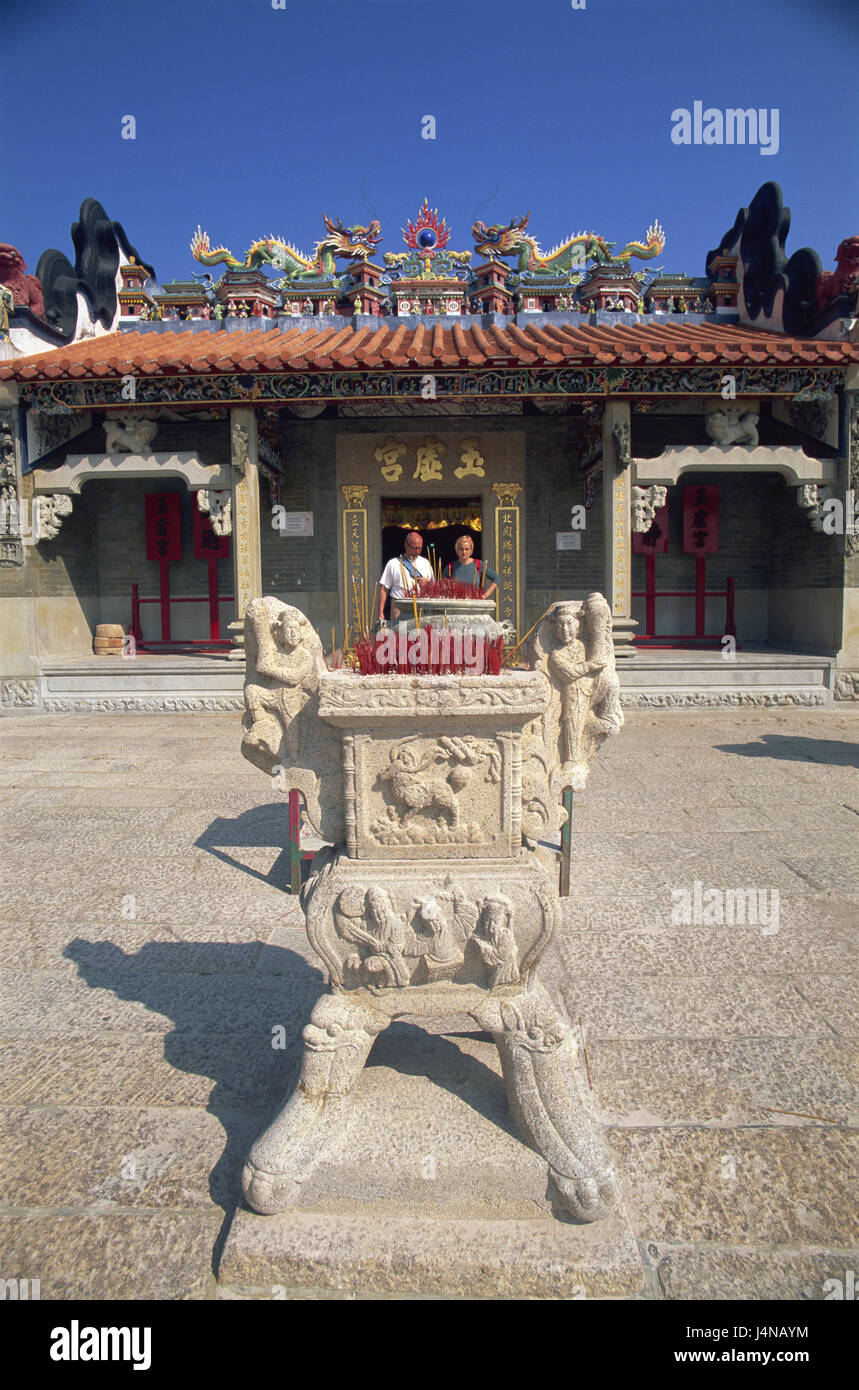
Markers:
point(511, 239)
point(354, 243)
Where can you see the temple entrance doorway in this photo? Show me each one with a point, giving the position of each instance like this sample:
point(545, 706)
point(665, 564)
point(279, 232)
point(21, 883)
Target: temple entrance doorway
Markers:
point(440, 523)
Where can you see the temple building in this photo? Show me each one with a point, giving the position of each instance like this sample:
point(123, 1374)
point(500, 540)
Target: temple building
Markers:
point(688, 444)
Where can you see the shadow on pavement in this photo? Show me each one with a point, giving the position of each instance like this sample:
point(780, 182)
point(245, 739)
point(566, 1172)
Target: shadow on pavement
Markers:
point(263, 827)
point(793, 748)
point(225, 1011)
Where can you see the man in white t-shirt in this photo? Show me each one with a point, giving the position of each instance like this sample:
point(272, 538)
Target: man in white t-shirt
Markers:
point(401, 575)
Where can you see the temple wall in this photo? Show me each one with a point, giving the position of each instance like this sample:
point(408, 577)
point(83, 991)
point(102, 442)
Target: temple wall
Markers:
point(553, 488)
point(786, 575)
point(49, 605)
point(121, 560)
point(306, 571)
point(303, 570)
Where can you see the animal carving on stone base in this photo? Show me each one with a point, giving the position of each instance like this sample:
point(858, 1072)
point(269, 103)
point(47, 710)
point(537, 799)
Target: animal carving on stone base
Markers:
point(132, 434)
point(424, 786)
point(732, 426)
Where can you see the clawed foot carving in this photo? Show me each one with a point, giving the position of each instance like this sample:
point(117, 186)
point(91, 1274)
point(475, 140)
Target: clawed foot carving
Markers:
point(538, 1056)
point(337, 1042)
point(589, 1199)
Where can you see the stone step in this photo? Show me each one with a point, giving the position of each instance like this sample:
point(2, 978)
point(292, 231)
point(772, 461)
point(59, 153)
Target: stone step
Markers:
point(199, 684)
point(403, 1255)
point(707, 678)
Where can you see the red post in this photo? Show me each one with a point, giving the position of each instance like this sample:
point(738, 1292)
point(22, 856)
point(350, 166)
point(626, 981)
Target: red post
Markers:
point(566, 844)
point(650, 594)
point(214, 607)
point(164, 586)
point(700, 595)
point(294, 841)
point(730, 621)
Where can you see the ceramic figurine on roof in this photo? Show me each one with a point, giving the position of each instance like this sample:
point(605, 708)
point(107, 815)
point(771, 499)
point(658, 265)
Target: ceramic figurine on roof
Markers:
point(844, 280)
point(427, 257)
point(353, 243)
point(428, 278)
point(26, 290)
point(510, 239)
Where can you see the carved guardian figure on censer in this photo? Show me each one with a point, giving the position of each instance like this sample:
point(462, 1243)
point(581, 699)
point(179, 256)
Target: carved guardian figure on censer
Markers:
point(433, 897)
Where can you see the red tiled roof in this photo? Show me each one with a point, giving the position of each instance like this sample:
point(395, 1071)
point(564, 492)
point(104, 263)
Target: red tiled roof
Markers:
point(396, 347)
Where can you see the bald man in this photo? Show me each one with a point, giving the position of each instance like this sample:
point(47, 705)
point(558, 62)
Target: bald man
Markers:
point(402, 575)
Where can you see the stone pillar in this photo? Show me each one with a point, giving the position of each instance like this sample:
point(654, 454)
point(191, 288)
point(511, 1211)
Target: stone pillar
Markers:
point(507, 558)
point(617, 526)
point(11, 544)
point(357, 599)
point(847, 666)
point(247, 562)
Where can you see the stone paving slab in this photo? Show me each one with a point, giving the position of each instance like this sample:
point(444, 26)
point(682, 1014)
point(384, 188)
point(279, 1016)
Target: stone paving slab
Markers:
point(786, 1082)
point(167, 1038)
point(689, 1006)
point(235, 1071)
point(701, 1273)
point(745, 1186)
point(107, 997)
point(87, 1255)
point(655, 947)
point(110, 1158)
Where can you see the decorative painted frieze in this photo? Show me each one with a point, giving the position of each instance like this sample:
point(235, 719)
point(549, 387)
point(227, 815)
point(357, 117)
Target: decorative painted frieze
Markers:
point(319, 388)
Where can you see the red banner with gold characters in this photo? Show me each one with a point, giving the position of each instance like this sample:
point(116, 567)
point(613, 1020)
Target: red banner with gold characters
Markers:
point(163, 526)
point(208, 545)
point(700, 520)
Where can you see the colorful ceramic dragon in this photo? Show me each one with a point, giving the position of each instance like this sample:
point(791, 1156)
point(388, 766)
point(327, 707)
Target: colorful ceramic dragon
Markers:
point(510, 240)
point(352, 243)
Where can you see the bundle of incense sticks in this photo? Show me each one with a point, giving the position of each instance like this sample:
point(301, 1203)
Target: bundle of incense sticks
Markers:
point(444, 655)
point(445, 588)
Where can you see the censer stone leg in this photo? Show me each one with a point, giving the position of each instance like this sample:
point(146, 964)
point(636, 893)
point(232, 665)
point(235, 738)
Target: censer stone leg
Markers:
point(537, 1057)
point(337, 1043)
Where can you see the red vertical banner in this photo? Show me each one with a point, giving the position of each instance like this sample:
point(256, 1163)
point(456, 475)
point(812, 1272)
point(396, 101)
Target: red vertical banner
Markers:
point(654, 541)
point(207, 544)
point(700, 521)
point(163, 526)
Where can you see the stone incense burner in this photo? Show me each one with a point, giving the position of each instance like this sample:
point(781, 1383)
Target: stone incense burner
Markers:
point(435, 897)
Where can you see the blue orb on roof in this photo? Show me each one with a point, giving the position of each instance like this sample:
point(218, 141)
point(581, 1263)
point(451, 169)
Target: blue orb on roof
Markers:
point(426, 238)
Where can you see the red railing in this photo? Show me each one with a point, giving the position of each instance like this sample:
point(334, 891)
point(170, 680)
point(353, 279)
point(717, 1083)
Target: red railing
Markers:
point(700, 594)
point(164, 600)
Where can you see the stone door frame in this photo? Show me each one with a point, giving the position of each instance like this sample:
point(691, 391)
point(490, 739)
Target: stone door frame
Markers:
point(361, 485)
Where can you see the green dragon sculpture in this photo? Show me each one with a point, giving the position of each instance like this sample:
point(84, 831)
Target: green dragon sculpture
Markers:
point(352, 243)
point(509, 239)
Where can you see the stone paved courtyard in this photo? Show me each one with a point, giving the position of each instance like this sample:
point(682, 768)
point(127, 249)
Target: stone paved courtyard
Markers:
point(150, 959)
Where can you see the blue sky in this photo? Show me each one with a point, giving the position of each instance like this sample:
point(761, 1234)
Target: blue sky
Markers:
point(252, 120)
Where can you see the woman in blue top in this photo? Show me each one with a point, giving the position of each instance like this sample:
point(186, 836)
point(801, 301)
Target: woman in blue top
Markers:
point(471, 571)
